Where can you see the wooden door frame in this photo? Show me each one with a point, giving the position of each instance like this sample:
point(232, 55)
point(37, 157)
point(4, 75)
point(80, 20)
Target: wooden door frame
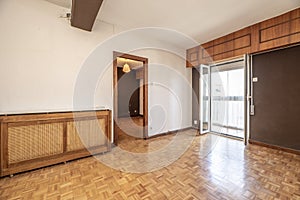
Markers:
point(115, 91)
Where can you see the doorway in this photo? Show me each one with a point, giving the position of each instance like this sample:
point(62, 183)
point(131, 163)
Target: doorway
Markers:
point(130, 89)
point(223, 104)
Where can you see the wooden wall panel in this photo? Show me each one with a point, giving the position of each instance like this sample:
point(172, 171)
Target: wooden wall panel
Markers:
point(277, 32)
point(231, 45)
point(242, 42)
point(206, 53)
point(295, 26)
point(192, 57)
point(223, 47)
point(274, 32)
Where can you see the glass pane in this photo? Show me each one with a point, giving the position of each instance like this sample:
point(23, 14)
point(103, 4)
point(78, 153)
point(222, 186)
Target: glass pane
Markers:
point(227, 99)
point(205, 99)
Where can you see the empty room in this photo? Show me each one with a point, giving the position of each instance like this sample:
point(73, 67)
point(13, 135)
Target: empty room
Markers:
point(129, 99)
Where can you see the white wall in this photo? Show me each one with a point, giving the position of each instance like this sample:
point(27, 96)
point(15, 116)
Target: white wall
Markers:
point(169, 91)
point(41, 56)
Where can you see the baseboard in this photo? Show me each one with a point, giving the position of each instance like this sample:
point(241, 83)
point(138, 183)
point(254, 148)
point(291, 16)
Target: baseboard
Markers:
point(227, 136)
point(274, 147)
point(169, 132)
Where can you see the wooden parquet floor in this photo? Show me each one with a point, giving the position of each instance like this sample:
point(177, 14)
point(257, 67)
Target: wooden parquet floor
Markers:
point(228, 170)
point(134, 144)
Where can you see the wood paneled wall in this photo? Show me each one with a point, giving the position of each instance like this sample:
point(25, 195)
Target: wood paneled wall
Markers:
point(277, 32)
point(30, 141)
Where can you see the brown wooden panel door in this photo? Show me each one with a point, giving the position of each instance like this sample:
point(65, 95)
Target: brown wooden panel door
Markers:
point(276, 98)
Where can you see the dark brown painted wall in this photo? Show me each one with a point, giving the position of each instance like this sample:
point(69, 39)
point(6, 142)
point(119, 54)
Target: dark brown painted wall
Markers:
point(277, 98)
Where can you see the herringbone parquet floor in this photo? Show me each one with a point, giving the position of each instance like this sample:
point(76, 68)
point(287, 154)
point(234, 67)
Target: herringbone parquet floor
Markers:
point(213, 167)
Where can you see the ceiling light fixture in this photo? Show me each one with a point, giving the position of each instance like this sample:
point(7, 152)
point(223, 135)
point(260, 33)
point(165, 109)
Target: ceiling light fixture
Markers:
point(126, 68)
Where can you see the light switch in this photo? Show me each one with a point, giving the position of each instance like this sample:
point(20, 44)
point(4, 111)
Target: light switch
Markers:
point(255, 79)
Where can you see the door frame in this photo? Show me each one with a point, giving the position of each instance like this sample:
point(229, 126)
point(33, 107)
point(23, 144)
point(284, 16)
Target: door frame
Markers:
point(116, 55)
point(208, 85)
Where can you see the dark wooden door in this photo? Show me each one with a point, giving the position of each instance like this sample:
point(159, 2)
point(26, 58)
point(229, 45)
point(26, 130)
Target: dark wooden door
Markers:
point(277, 98)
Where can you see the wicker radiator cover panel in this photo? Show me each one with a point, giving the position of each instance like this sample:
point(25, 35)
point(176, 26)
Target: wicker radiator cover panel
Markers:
point(34, 141)
point(86, 134)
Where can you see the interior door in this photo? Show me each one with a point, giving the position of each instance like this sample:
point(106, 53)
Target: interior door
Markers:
point(204, 99)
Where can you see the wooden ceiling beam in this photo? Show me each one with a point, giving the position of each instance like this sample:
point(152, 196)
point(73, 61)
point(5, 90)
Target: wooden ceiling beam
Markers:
point(84, 13)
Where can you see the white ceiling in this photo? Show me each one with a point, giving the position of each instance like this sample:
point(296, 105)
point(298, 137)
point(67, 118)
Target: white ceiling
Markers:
point(63, 3)
point(203, 20)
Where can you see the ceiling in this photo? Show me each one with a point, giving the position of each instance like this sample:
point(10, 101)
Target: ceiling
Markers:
point(63, 3)
point(203, 20)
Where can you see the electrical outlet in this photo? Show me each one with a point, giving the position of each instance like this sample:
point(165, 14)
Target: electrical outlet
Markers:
point(195, 122)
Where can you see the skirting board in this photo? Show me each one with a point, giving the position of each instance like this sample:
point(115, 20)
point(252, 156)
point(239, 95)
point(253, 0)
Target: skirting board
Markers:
point(274, 147)
point(169, 133)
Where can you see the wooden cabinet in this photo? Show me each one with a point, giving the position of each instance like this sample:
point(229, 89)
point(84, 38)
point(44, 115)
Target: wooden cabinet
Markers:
point(36, 140)
point(273, 33)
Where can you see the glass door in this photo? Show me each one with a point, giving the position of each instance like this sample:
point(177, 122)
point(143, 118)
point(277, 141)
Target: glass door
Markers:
point(204, 99)
point(228, 98)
